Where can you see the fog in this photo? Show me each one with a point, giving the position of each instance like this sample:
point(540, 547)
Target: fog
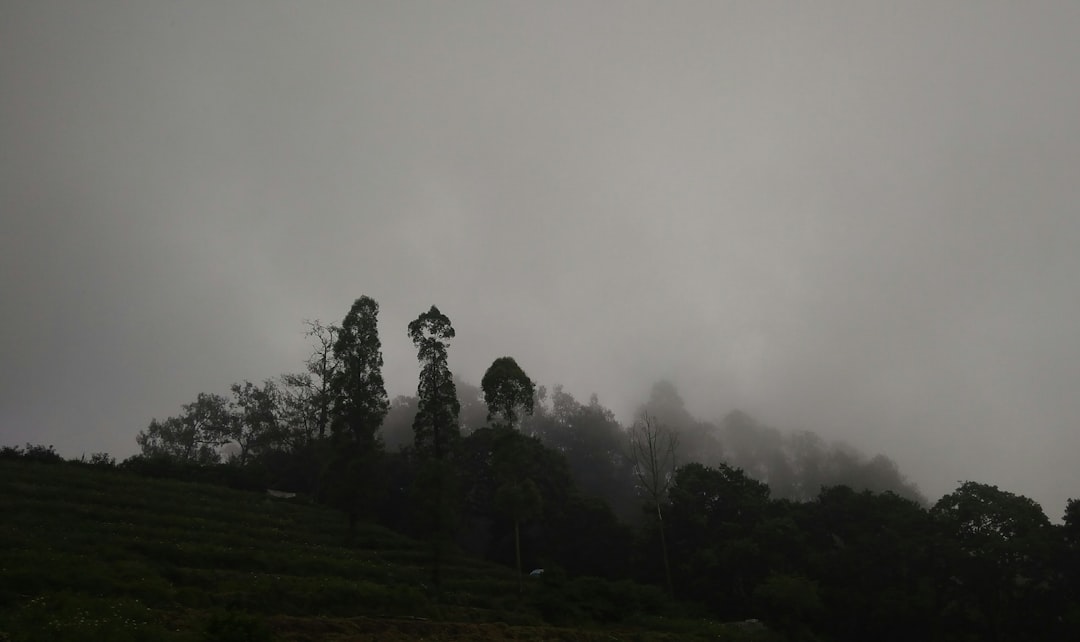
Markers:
point(858, 220)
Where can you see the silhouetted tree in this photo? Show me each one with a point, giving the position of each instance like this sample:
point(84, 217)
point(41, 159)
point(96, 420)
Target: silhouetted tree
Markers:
point(194, 436)
point(508, 392)
point(360, 404)
point(652, 450)
point(712, 514)
point(436, 424)
point(594, 445)
point(998, 555)
point(436, 432)
point(323, 367)
point(360, 395)
point(255, 425)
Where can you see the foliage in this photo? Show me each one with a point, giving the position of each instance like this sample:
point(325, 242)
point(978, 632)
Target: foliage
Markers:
point(997, 549)
point(102, 459)
point(436, 423)
point(798, 465)
point(96, 553)
point(350, 475)
point(789, 601)
point(593, 444)
point(32, 452)
point(506, 390)
point(194, 436)
point(814, 538)
point(256, 425)
point(436, 433)
point(712, 515)
point(360, 401)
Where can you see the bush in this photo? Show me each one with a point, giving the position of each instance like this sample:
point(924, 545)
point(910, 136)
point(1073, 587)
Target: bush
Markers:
point(102, 459)
point(32, 452)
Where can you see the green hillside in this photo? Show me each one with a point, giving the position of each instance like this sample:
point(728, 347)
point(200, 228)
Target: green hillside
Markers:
point(97, 553)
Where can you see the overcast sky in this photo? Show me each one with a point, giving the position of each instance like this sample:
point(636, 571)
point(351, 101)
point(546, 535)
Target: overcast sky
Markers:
point(857, 218)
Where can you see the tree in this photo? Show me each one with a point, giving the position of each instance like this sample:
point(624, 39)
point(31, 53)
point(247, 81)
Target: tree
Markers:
point(594, 445)
point(511, 480)
point(308, 397)
point(297, 412)
point(360, 405)
point(255, 425)
point(194, 436)
point(998, 556)
point(518, 500)
point(436, 431)
point(322, 367)
point(1070, 563)
point(874, 557)
point(361, 402)
point(506, 390)
point(652, 451)
point(711, 515)
point(436, 425)
point(667, 407)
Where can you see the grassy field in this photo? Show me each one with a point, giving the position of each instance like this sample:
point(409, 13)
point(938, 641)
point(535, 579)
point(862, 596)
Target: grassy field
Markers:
point(91, 553)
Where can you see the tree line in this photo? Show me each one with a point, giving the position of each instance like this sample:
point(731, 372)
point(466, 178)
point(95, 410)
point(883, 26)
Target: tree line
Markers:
point(733, 517)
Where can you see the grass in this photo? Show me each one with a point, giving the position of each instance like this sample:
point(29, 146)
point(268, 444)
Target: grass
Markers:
point(98, 553)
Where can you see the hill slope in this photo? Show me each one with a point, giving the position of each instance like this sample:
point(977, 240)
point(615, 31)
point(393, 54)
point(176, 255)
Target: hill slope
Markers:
point(92, 553)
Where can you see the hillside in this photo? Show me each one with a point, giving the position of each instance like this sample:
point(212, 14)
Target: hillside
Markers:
point(97, 553)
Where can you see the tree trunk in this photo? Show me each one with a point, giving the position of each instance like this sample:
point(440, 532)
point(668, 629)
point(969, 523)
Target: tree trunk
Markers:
point(663, 545)
point(517, 552)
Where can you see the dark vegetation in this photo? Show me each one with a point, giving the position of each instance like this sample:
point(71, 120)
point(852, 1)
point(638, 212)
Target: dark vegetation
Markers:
point(99, 552)
point(421, 517)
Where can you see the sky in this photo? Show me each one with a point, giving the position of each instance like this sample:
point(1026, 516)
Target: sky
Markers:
point(854, 218)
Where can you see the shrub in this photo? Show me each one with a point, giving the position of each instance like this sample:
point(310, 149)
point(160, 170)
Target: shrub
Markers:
point(32, 452)
point(102, 459)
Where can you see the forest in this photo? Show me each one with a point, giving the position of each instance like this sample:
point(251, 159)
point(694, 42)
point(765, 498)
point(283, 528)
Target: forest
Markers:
point(737, 519)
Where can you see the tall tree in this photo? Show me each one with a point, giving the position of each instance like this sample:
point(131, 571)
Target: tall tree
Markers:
point(508, 391)
point(436, 432)
point(322, 366)
point(361, 402)
point(652, 450)
point(360, 405)
point(436, 424)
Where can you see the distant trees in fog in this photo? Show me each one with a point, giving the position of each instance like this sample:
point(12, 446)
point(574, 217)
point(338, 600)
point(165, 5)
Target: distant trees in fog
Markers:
point(741, 518)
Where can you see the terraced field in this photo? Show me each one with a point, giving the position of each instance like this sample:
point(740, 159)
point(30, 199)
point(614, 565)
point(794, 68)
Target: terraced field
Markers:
point(91, 553)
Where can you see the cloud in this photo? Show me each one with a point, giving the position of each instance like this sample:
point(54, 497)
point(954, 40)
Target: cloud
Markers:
point(857, 220)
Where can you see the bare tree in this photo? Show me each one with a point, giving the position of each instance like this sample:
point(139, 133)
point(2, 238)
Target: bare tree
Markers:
point(323, 366)
point(652, 451)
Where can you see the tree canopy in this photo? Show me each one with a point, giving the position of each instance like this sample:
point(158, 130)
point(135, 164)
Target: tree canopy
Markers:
point(508, 392)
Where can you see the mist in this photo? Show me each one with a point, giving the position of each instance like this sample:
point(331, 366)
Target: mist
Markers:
point(853, 220)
